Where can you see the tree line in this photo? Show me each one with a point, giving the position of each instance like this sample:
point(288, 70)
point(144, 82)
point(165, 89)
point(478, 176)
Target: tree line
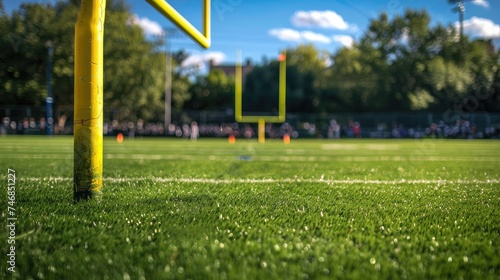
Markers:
point(400, 64)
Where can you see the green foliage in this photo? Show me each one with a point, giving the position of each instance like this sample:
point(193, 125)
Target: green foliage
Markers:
point(180, 91)
point(400, 63)
point(174, 209)
point(304, 67)
point(405, 63)
point(214, 91)
point(23, 39)
point(261, 89)
point(356, 80)
point(134, 71)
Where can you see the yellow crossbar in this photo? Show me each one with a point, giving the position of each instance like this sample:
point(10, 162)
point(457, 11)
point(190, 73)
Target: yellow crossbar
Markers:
point(168, 11)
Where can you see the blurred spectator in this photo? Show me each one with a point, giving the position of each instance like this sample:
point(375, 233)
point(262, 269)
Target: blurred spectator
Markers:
point(185, 130)
point(195, 133)
point(248, 131)
point(396, 132)
point(356, 130)
point(350, 129)
point(333, 130)
point(462, 129)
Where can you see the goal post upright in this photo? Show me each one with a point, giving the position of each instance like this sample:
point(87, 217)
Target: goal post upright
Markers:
point(88, 88)
point(238, 91)
point(261, 131)
point(282, 88)
point(238, 98)
point(88, 99)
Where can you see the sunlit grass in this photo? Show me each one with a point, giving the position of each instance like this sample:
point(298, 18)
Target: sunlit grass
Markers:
point(210, 210)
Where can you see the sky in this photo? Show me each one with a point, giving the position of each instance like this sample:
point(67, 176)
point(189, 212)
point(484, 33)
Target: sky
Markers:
point(263, 28)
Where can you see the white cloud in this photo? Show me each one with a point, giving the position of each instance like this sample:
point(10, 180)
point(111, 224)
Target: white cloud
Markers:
point(314, 37)
point(481, 27)
point(198, 60)
point(482, 3)
point(345, 40)
point(322, 19)
point(150, 27)
point(286, 34)
point(216, 57)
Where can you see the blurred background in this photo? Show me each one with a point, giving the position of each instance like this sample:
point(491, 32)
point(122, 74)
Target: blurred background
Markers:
point(379, 69)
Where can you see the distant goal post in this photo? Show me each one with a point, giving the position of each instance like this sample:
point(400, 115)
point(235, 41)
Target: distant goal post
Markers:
point(238, 110)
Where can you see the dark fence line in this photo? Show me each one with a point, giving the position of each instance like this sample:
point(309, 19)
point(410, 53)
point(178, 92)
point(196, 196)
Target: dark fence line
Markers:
point(21, 120)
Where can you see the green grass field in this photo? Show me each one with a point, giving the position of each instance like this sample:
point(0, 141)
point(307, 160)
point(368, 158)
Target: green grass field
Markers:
point(313, 209)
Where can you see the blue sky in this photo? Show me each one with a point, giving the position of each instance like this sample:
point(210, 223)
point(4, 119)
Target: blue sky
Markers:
point(261, 28)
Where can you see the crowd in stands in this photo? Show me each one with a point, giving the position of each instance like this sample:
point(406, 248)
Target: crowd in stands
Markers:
point(461, 129)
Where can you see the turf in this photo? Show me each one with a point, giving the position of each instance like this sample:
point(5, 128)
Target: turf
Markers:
point(313, 209)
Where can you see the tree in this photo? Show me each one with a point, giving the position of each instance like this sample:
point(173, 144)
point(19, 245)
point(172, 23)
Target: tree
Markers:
point(353, 82)
point(405, 64)
point(260, 91)
point(181, 81)
point(403, 45)
point(304, 69)
point(23, 39)
point(212, 92)
point(134, 70)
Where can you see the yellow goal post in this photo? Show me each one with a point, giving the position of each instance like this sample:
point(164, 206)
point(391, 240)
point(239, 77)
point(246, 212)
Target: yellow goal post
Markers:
point(88, 88)
point(238, 98)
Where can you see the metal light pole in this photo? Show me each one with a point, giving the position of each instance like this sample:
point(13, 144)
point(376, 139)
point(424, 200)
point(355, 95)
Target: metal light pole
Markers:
point(49, 121)
point(461, 11)
point(165, 36)
point(168, 83)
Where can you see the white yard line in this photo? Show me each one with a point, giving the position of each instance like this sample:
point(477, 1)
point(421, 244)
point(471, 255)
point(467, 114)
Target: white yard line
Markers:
point(267, 181)
point(274, 158)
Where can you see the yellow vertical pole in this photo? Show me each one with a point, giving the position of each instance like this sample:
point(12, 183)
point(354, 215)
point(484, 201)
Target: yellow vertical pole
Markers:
point(262, 131)
point(282, 87)
point(206, 21)
point(238, 88)
point(88, 100)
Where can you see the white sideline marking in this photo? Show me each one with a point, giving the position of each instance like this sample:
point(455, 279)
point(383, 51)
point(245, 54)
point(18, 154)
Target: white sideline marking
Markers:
point(264, 181)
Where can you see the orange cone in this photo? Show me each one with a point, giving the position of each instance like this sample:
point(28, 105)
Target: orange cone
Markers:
point(231, 139)
point(119, 138)
point(286, 139)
